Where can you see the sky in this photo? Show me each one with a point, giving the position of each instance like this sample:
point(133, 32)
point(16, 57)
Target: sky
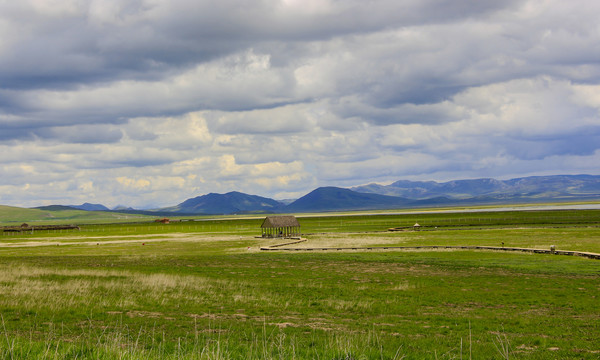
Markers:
point(146, 103)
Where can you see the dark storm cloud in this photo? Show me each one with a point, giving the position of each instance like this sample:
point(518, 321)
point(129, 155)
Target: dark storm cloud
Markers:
point(94, 44)
point(7, 134)
point(91, 42)
point(578, 142)
point(82, 134)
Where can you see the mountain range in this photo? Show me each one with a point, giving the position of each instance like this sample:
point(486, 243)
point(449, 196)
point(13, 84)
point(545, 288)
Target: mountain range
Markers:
point(400, 194)
point(549, 187)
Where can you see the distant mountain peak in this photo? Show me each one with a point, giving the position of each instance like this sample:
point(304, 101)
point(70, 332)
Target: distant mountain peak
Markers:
point(331, 198)
point(228, 203)
point(122, 208)
point(90, 207)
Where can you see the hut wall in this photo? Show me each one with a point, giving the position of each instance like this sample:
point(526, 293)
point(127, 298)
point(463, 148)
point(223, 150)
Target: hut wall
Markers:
point(285, 231)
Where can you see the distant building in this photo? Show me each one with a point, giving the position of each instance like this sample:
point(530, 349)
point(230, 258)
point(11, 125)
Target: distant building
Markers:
point(163, 221)
point(280, 226)
point(416, 226)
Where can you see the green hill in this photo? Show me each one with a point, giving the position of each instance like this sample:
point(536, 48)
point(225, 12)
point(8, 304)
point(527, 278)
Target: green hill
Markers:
point(10, 215)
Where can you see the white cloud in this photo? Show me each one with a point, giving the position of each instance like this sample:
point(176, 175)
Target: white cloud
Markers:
point(134, 184)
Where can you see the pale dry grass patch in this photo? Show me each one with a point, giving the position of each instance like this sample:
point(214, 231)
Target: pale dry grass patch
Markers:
point(349, 240)
point(403, 286)
point(82, 240)
point(346, 305)
point(161, 281)
point(310, 285)
point(49, 289)
point(254, 298)
point(56, 289)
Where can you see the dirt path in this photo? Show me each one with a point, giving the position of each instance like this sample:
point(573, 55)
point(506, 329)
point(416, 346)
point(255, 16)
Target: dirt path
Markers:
point(132, 239)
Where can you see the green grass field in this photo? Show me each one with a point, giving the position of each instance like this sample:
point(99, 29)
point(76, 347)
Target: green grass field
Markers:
point(203, 290)
point(16, 216)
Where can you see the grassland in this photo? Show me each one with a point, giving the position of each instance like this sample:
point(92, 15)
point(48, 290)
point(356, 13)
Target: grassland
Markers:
point(203, 290)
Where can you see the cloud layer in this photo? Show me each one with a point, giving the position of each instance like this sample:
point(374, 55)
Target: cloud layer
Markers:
point(149, 102)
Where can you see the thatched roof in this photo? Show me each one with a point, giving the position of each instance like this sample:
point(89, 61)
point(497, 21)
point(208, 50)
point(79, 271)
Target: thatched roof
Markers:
point(280, 221)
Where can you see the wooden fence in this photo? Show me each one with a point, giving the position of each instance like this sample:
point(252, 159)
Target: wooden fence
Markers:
point(436, 247)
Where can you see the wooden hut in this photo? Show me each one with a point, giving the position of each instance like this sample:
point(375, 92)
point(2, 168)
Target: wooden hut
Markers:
point(280, 226)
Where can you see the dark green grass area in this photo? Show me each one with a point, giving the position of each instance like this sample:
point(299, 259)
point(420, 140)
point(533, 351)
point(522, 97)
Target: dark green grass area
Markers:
point(193, 290)
point(451, 220)
point(316, 224)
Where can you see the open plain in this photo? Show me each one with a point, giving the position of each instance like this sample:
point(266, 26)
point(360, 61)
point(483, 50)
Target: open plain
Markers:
point(203, 289)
